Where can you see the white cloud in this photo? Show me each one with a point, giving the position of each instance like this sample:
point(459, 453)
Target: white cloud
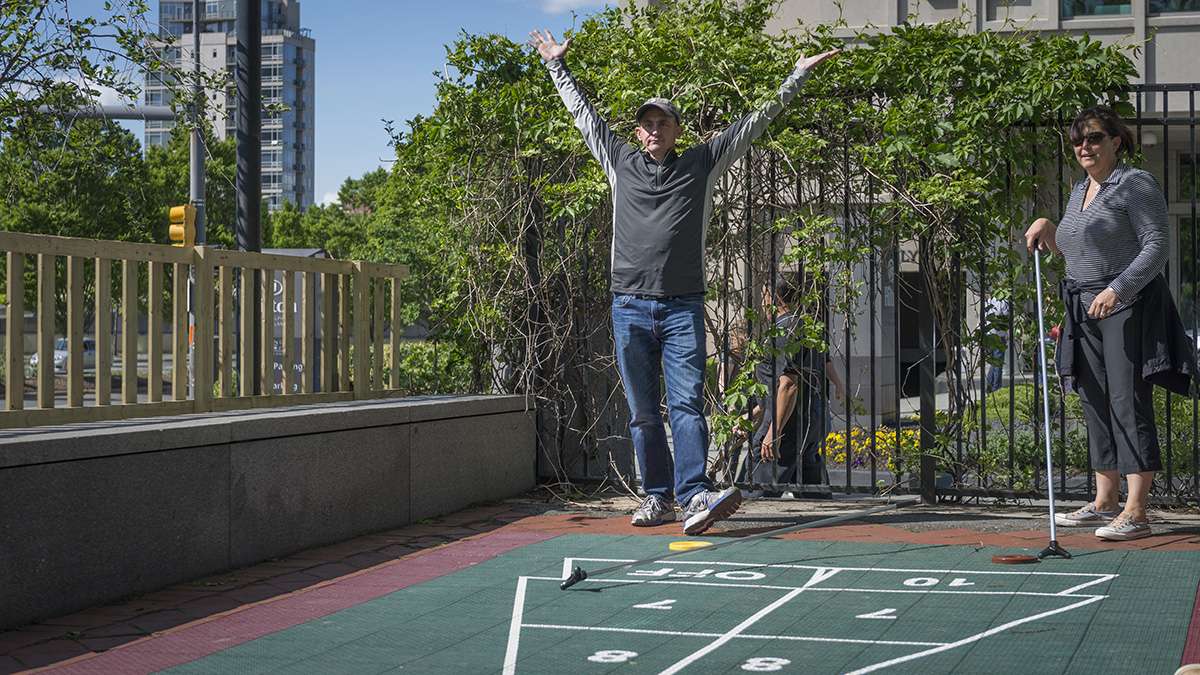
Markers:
point(106, 95)
point(560, 6)
point(110, 96)
point(328, 199)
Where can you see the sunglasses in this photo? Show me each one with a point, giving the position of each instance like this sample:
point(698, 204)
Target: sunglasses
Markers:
point(1093, 138)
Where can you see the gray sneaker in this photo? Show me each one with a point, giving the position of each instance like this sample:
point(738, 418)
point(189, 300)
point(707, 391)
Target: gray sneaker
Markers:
point(1088, 515)
point(1124, 528)
point(654, 511)
point(709, 506)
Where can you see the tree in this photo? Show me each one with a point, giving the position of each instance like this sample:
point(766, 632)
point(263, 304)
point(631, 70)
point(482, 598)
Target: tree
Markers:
point(50, 57)
point(80, 179)
point(168, 169)
point(287, 228)
point(503, 217)
point(328, 227)
point(360, 194)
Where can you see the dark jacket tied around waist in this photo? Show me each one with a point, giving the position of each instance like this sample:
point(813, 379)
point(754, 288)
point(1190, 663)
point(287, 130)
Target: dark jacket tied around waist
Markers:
point(1168, 355)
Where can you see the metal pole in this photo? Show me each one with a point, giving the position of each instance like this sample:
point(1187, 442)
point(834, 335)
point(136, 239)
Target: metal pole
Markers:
point(196, 193)
point(927, 331)
point(249, 123)
point(115, 112)
point(248, 231)
point(1053, 548)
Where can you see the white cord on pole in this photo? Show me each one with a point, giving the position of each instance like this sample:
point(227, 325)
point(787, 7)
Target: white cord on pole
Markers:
point(1037, 267)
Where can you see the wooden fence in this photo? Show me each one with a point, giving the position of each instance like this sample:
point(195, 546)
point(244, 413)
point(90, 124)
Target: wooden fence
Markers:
point(351, 322)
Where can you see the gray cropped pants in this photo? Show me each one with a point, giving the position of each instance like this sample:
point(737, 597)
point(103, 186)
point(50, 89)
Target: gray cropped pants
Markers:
point(1118, 404)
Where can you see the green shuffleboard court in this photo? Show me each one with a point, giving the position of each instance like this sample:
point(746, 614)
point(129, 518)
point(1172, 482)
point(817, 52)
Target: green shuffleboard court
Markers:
point(768, 606)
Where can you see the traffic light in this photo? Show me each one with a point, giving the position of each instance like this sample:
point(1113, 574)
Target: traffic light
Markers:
point(183, 225)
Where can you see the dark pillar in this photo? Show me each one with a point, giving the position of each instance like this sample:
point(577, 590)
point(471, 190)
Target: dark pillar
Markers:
point(249, 155)
point(928, 346)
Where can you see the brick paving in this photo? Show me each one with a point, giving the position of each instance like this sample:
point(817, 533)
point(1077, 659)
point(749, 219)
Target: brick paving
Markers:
point(69, 643)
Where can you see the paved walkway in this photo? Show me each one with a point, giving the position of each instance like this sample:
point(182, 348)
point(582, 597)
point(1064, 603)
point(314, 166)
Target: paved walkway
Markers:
point(88, 641)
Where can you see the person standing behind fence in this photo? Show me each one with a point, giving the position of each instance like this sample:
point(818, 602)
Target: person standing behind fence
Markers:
point(786, 445)
point(662, 200)
point(1118, 337)
point(995, 314)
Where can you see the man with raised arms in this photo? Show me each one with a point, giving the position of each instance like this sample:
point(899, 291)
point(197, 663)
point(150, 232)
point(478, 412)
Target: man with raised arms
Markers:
point(662, 200)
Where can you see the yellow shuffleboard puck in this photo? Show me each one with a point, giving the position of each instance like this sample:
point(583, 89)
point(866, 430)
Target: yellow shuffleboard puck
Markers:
point(688, 545)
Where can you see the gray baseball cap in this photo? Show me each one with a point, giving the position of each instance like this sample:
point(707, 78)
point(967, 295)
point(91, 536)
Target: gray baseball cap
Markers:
point(662, 104)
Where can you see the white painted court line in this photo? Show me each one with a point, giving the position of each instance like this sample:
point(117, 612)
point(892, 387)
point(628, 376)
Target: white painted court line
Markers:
point(607, 580)
point(1080, 587)
point(822, 573)
point(514, 628)
point(824, 589)
point(743, 636)
point(569, 562)
point(830, 589)
point(974, 638)
point(817, 577)
point(716, 644)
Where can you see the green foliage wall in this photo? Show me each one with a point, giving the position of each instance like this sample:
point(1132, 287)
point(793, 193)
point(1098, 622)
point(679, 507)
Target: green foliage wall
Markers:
point(504, 217)
point(928, 133)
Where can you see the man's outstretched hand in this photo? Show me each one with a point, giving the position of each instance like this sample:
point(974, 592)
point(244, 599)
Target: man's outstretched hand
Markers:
point(547, 46)
point(810, 62)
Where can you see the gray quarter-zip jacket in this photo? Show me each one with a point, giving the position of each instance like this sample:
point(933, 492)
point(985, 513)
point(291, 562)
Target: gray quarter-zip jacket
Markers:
point(661, 211)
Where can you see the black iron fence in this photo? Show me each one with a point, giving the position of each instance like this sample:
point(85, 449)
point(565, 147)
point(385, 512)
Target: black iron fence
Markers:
point(920, 365)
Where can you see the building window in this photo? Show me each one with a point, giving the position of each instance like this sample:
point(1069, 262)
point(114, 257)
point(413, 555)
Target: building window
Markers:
point(1071, 9)
point(1164, 6)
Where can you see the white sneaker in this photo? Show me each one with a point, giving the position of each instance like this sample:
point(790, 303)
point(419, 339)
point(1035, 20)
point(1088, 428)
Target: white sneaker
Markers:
point(709, 506)
point(1088, 515)
point(1124, 528)
point(654, 511)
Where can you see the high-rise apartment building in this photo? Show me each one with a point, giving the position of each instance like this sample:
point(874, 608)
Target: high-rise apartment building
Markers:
point(288, 71)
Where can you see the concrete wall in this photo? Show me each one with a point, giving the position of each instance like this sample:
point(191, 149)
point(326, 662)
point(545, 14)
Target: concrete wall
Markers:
point(94, 513)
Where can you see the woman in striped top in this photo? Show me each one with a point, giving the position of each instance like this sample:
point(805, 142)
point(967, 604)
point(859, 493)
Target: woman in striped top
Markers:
point(1115, 241)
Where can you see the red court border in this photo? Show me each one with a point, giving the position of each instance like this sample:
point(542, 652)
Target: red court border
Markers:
point(1191, 647)
point(209, 636)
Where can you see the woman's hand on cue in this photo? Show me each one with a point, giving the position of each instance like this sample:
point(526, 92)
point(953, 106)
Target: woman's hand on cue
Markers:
point(1041, 234)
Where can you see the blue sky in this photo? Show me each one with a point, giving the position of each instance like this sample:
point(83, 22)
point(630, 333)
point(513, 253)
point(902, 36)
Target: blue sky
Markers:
point(375, 60)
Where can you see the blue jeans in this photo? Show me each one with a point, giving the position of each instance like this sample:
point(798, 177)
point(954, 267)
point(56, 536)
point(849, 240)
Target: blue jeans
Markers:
point(664, 336)
point(995, 374)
